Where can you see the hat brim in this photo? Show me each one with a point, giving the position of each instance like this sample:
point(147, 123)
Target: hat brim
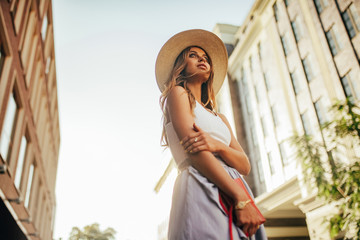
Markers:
point(208, 41)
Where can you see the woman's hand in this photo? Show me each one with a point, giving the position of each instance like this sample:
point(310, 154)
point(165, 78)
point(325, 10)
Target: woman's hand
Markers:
point(247, 219)
point(200, 141)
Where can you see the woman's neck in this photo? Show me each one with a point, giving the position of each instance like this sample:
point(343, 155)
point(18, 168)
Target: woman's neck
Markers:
point(195, 89)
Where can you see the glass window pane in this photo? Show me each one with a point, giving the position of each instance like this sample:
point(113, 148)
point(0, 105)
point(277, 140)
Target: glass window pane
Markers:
point(44, 27)
point(20, 164)
point(28, 187)
point(306, 123)
point(253, 135)
point(320, 111)
point(318, 6)
point(276, 12)
point(260, 171)
point(355, 16)
point(307, 69)
point(243, 76)
point(346, 86)
point(260, 49)
point(275, 116)
point(267, 81)
point(264, 126)
point(283, 153)
point(7, 129)
point(295, 25)
point(348, 24)
point(295, 82)
point(331, 43)
point(251, 62)
point(284, 45)
point(271, 163)
point(257, 94)
point(355, 84)
point(2, 57)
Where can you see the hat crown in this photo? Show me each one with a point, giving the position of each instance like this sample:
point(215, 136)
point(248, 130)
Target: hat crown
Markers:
point(208, 41)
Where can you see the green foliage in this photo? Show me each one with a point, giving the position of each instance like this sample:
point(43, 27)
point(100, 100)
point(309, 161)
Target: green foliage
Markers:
point(92, 232)
point(337, 183)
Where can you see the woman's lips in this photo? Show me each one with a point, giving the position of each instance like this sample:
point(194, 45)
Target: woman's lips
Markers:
point(203, 66)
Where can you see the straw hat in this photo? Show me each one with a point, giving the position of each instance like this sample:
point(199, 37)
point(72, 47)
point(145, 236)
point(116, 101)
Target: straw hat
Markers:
point(208, 41)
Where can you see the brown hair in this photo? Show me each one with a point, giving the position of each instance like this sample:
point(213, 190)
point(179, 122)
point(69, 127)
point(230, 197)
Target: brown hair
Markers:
point(179, 78)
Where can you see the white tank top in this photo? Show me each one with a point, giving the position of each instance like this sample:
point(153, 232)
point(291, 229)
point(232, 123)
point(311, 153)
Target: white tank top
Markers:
point(208, 122)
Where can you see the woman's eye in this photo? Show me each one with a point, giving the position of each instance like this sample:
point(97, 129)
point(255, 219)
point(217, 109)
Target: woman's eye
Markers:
point(192, 55)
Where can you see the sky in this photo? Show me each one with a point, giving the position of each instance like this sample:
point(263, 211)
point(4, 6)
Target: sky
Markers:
point(110, 121)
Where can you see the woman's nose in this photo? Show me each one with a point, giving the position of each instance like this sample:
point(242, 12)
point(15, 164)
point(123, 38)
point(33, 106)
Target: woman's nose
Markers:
point(201, 59)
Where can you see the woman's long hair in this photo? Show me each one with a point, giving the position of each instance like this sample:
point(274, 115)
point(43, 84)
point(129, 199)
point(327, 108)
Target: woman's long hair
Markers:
point(178, 78)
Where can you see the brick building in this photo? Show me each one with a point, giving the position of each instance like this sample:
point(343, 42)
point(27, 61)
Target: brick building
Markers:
point(29, 120)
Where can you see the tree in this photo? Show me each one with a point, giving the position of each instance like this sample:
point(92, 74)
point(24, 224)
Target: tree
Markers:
point(337, 182)
point(92, 232)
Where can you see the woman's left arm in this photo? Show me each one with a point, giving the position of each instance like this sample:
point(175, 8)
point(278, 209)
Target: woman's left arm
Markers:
point(233, 154)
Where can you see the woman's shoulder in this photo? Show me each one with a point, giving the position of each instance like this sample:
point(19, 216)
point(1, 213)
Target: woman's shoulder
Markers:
point(177, 97)
point(177, 93)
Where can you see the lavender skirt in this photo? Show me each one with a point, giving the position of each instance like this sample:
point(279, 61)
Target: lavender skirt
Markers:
point(196, 213)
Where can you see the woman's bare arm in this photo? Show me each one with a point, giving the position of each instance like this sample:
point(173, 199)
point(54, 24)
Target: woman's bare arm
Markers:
point(233, 154)
point(180, 114)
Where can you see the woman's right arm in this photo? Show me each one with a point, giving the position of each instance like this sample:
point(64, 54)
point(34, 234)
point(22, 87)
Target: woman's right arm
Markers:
point(179, 110)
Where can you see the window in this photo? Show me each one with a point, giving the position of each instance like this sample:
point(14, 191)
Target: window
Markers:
point(306, 123)
point(320, 112)
point(332, 36)
point(260, 51)
point(285, 44)
point(271, 163)
point(243, 76)
point(13, 9)
point(307, 68)
point(275, 116)
point(7, 129)
point(251, 63)
point(257, 93)
point(44, 27)
point(295, 82)
point(264, 127)
point(248, 103)
point(267, 81)
point(47, 67)
point(20, 163)
point(284, 153)
point(296, 29)
point(260, 171)
point(253, 133)
point(276, 12)
point(2, 57)
point(349, 86)
point(320, 5)
point(29, 186)
point(351, 20)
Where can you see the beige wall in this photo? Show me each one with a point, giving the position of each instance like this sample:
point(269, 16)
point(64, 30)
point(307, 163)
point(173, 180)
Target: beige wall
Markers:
point(263, 75)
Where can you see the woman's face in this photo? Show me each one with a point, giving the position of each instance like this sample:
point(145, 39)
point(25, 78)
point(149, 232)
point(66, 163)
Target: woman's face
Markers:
point(197, 64)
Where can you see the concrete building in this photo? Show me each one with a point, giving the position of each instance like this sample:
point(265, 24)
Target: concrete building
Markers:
point(29, 120)
point(290, 60)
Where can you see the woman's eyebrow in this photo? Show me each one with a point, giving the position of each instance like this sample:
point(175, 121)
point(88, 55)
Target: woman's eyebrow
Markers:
point(192, 51)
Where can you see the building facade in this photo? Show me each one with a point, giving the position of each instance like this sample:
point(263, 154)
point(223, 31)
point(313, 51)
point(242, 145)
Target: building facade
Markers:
point(291, 60)
point(29, 120)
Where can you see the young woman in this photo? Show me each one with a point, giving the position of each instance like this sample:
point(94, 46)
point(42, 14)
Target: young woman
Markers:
point(190, 69)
